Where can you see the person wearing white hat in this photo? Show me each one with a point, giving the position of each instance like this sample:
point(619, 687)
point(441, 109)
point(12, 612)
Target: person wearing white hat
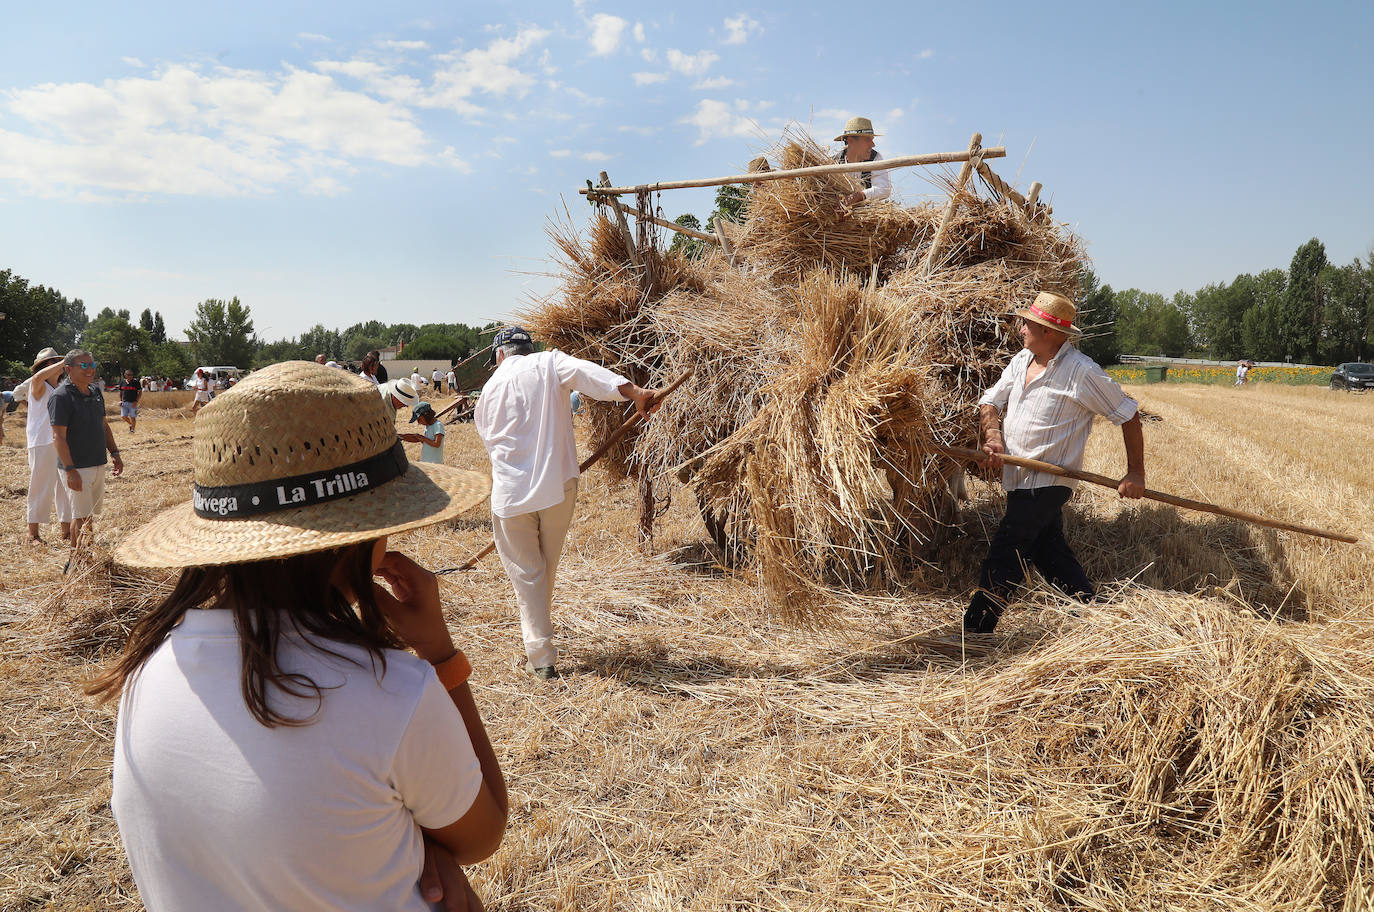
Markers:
point(398, 394)
point(858, 137)
point(1042, 407)
point(525, 423)
point(292, 734)
point(45, 488)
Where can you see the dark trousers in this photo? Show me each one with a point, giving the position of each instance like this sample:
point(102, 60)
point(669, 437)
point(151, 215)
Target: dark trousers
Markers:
point(1032, 532)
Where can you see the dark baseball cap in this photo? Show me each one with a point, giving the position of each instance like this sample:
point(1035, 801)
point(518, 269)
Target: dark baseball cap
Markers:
point(423, 408)
point(511, 335)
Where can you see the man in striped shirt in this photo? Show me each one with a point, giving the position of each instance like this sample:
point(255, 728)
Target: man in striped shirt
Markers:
point(1042, 407)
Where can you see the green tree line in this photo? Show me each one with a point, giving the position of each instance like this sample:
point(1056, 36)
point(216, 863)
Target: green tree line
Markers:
point(1315, 312)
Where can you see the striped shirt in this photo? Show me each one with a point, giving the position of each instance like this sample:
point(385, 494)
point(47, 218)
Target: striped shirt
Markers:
point(1050, 419)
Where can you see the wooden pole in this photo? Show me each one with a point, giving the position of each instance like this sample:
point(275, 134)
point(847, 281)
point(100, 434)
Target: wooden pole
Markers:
point(624, 227)
point(1001, 186)
point(978, 456)
point(975, 145)
point(724, 241)
point(587, 463)
point(1033, 195)
point(757, 177)
point(664, 223)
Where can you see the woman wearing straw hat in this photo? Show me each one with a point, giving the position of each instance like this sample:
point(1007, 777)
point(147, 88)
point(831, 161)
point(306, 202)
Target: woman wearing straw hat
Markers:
point(858, 138)
point(276, 748)
point(1042, 407)
point(44, 487)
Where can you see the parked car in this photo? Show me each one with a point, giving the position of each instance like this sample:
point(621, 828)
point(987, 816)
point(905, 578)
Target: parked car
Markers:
point(1354, 375)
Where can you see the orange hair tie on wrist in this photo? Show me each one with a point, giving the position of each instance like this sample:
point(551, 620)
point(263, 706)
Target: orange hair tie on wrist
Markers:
point(454, 670)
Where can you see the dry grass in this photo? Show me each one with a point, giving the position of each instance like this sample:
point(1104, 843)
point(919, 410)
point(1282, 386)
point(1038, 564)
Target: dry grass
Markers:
point(1203, 741)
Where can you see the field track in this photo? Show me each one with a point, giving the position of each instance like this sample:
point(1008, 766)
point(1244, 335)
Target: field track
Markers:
point(1128, 755)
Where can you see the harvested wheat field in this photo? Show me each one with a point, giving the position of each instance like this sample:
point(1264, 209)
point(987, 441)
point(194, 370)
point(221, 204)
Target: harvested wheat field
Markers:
point(1203, 740)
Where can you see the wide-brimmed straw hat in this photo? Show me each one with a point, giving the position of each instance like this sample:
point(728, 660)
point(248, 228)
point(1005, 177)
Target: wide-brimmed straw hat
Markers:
point(45, 357)
point(1053, 311)
point(297, 458)
point(402, 389)
point(857, 126)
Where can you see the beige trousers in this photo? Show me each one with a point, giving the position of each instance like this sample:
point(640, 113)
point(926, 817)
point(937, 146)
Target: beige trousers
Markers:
point(44, 486)
point(530, 545)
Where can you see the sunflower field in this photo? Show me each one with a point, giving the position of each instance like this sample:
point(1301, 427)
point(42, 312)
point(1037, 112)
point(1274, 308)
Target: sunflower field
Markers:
point(1201, 373)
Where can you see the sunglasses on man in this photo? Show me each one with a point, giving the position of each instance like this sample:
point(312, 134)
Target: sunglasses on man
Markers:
point(84, 365)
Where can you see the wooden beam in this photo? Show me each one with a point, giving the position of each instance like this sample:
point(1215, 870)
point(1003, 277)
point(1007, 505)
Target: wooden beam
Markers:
point(724, 241)
point(1000, 185)
point(905, 161)
point(624, 227)
point(974, 159)
point(663, 223)
point(1034, 195)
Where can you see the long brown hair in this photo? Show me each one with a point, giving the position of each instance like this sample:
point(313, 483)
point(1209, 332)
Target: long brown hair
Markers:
point(312, 594)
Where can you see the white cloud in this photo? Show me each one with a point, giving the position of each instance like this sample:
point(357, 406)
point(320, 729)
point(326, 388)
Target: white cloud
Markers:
point(191, 132)
point(606, 33)
point(451, 158)
point(739, 29)
point(649, 54)
point(595, 156)
point(691, 64)
point(895, 114)
point(642, 79)
point(134, 62)
point(312, 36)
point(926, 54)
point(715, 82)
point(639, 32)
point(642, 131)
point(560, 153)
point(490, 70)
point(406, 45)
point(718, 120)
point(584, 97)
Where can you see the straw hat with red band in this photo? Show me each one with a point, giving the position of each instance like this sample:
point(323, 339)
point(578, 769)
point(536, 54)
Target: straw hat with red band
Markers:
point(297, 458)
point(1053, 311)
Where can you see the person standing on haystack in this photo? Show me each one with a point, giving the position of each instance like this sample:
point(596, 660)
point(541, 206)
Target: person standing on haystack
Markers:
point(1042, 407)
point(525, 423)
point(858, 139)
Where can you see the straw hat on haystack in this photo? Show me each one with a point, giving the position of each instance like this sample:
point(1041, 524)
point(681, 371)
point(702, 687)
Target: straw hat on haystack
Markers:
point(1052, 311)
point(857, 126)
point(295, 459)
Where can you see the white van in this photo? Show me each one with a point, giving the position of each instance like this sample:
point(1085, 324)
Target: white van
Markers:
point(218, 376)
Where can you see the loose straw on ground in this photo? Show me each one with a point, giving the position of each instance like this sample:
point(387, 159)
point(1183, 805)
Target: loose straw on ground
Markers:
point(1187, 504)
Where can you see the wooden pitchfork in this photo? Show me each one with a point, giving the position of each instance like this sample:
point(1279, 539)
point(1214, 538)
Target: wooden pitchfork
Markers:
point(978, 456)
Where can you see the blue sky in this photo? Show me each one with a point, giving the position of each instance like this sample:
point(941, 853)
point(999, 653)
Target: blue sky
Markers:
point(332, 163)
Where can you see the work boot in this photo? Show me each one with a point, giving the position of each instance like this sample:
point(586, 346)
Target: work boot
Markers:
point(544, 673)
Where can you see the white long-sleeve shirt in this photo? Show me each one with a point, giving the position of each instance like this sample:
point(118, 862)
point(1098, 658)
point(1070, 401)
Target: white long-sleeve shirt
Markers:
point(524, 421)
point(1050, 419)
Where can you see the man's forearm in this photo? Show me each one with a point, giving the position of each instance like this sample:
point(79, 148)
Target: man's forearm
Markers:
point(989, 422)
point(1133, 435)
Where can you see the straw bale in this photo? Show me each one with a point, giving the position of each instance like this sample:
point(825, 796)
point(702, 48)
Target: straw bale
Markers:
point(815, 390)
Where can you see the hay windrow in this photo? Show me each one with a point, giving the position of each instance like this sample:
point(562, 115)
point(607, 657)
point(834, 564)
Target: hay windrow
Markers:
point(824, 362)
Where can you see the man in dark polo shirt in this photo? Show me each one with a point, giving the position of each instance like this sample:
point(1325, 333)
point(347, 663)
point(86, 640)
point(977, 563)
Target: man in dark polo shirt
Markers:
point(82, 436)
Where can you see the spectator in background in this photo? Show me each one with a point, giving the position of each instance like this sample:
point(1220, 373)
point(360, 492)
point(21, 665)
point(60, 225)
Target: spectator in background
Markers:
point(398, 394)
point(432, 440)
point(202, 391)
point(130, 394)
point(321, 359)
point(369, 371)
point(82, 436)
point(452, 381)
point(381, 368)
point(44, 486)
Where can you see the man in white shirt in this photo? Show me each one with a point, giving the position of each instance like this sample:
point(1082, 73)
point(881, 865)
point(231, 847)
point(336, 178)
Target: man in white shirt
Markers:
point(858, 139)
point(452, 382)
point(437, 378)
point(524, 422)
point(1042, 407)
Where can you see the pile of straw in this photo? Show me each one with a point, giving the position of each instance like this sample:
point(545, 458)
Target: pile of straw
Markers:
point(824, 364)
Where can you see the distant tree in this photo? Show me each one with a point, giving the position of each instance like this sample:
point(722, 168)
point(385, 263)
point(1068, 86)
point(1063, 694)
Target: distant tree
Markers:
point(1150, 324)
point(690, 247)
point(1303, 306)
point(117, 344)
point(36, 317)
point(171, 360)
point(283, 350)
point(159, 331)
point(317, 340)
point(1097, 315)
point(145, 321)
point(730, 203)
point(222, 333)
point(1349, 295)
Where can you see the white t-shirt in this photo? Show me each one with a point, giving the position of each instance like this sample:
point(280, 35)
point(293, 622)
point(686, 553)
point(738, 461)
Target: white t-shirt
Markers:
point(218, 812)
point(38, 424)
point(452, 379)
point(524, 420)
